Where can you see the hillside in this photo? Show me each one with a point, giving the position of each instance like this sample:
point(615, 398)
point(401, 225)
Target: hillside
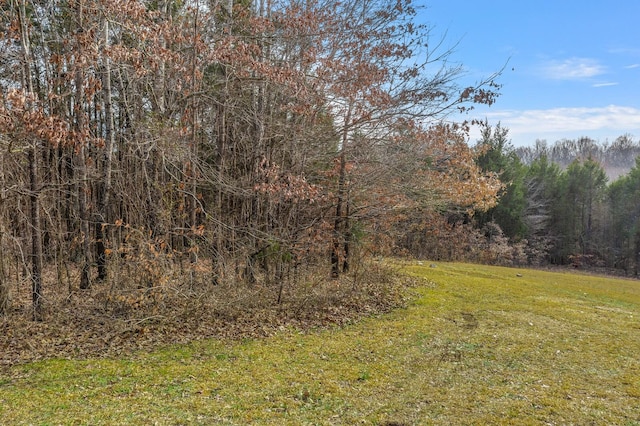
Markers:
point(476, 345)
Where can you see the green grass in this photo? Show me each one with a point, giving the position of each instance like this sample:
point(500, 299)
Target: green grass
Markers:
point(478, 346)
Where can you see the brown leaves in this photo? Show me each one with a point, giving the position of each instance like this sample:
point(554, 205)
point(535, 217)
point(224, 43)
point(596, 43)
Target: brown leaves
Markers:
point(450, 173)
point(24, 117)
point(281, 186)
point(94, 323)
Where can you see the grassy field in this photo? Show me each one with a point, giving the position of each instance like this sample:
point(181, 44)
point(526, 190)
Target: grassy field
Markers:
point(477, 345)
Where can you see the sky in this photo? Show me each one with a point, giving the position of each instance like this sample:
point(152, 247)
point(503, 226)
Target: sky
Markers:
point(571, 68)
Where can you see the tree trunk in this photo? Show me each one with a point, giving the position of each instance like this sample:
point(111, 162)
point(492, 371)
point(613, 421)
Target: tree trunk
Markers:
point(4, 284)
point(636, 257)
point(36, 235)
point(104, 191)
point(34, 184)
point(218, 241)
point(347, 239)
point(81, 165)
point(337, 254)
point(83, 189)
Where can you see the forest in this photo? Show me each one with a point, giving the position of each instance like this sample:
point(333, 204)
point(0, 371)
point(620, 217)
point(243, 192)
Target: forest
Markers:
point(254, 143)
point(574, 202)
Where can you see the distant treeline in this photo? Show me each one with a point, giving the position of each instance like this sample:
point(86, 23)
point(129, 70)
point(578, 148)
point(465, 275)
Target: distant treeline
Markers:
point(617, 158)
point(576, 202)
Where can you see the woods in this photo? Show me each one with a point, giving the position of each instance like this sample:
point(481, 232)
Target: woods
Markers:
point(573, 203)
point(225, 142)
point(148, 145)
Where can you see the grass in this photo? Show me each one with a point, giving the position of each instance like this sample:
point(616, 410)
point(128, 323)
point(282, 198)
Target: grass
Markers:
point(479, 345)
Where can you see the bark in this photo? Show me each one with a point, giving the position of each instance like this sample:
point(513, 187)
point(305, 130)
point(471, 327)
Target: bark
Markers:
point(338, 254)
point(193, 204)
point(104, 191)
point(338, 246)
point(83, 186)
point(636, 257)
point(4, 284)
point(347, 239)
point(83, 189)
point(218, 229)
point(34, 183)
point(36, 235)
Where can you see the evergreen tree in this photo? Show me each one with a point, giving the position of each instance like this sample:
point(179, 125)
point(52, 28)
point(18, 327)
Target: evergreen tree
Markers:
point(498, 156)
point(624, 199)
point(542, 193)
point(582, 191)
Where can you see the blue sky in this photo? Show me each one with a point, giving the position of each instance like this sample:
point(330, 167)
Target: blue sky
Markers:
point(572, 67)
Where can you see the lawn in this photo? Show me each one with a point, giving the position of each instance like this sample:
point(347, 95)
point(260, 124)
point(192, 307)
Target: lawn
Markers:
point(476, 345)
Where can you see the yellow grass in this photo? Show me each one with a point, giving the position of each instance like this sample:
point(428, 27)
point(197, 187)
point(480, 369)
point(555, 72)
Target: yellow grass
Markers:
point(478, 345)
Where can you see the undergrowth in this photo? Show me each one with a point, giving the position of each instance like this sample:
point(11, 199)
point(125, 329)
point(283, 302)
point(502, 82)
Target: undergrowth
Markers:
point(105, 321)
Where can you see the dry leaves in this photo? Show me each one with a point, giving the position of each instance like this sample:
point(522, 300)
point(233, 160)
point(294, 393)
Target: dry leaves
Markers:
point(86, 324)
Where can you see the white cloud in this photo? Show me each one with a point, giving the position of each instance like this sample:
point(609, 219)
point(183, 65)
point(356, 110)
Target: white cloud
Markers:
point(629, 51)
point(572, 69)
point(632, 66)
point(605, 84)
point(557, 123)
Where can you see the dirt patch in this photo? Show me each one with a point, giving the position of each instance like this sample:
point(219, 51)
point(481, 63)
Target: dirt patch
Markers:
point(470, 321)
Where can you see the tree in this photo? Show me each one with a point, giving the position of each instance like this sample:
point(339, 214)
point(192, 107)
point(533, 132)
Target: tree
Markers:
point(19, 116)
point(438, 194)
point(582, 189)
point(542, 185)
point(623, 197)
point(4, 247)
point(376, 75)
point(31, 125)
point(261, 136)
point(498, 156)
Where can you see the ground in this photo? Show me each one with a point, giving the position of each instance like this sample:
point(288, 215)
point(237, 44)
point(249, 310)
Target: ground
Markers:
point(98, 322)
